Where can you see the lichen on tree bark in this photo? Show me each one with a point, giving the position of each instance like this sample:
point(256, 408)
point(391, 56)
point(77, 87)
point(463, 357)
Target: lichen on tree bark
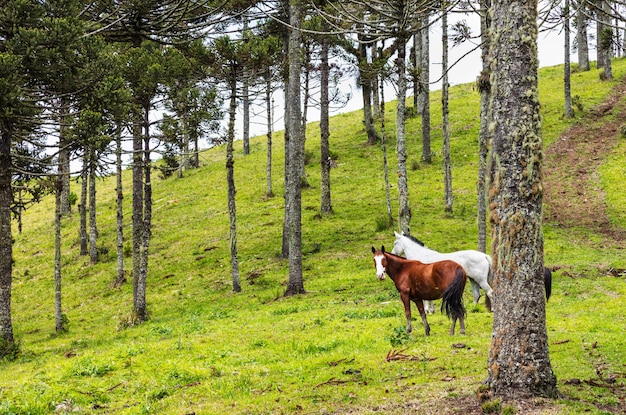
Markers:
point(519, 361)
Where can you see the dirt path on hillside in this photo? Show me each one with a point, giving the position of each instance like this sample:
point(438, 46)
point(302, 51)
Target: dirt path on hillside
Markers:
point(572, 192)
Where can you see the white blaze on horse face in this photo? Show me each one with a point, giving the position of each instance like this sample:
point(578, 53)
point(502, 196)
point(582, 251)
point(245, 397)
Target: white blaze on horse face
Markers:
point(380, 269)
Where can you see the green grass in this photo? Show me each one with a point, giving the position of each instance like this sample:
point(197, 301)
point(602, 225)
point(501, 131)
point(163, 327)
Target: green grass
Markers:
point(208, 350)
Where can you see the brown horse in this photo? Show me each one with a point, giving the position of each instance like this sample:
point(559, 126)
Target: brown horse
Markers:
point(417, 281)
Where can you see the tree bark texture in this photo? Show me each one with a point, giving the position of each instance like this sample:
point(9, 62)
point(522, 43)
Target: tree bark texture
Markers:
point(519, 360)
point(383, 143)
point(605, 38)
point(58, 213)
point(484, 87)
point(404, 211)
point(7, 342)
point(230, 177)
point(425, 91)
point(581, 36)
point(93, 225)
point(137, 220)
point(293, 200)
point(82, 207)
point(269, 102)
point(142, 305)
point(120, 210)
point(445, 124)
point(365, 78)
point(567, 86)
point(325, 159)
point(64, 156)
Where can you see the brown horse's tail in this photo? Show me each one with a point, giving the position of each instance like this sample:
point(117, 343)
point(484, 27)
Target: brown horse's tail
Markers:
point(452, 299)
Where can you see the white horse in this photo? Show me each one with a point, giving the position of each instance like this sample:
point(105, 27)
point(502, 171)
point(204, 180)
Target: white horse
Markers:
point(477, 264)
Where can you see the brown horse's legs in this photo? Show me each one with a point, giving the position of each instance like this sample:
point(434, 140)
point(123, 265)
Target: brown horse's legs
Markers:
point(407, 311)
point(420, 307)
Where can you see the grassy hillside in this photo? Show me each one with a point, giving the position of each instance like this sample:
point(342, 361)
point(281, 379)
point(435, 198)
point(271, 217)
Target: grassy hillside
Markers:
point(336, 349)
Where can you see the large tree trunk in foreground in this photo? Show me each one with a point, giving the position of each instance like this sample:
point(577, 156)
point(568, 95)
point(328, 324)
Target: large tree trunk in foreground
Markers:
point(519, 360)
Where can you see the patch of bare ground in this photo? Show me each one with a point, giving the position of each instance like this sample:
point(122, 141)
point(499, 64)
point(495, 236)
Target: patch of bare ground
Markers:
point(572, 192)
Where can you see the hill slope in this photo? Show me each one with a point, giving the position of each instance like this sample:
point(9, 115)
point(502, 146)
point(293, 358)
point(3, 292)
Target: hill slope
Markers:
point(339, 349)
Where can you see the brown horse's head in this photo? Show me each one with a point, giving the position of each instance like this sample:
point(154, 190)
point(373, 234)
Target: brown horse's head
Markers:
point(380, 262)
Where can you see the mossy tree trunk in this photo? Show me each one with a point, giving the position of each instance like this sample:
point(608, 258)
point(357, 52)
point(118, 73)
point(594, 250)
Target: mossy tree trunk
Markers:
point(519, 360)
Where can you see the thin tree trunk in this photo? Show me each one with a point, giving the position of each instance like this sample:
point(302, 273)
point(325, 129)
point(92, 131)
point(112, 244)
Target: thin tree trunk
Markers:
point(519, 361)
point(137, 219)
point(581, 37)
point(567, 88)
point(246, 115)
point(305, 106)
point(416, 58)
point(288, 161)
point(82, 208)
point(325, 159)
point(121, 278)
point(246, 99)
point(375, 96)
point(445, 126)
point(425, 91)
point(600, 50)
point(404, 214)
point(605, 39)
point(285, 5)
point(269, 102)
point(484, 87)
point(93, 226)
point(384, 146)
point(295, 154)
point(366, 89)
point(64, 157)
point(7, 342)
point(195, 161)
point(230, 175)
point(142, 310)
point(58, 309)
